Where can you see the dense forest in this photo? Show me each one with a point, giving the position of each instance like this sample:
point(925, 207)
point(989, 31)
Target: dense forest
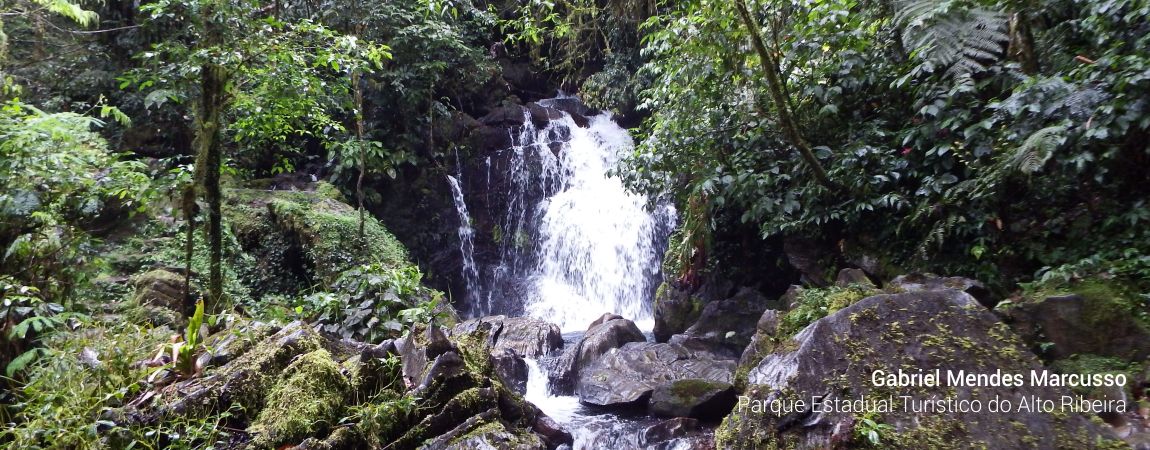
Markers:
point(323, 224)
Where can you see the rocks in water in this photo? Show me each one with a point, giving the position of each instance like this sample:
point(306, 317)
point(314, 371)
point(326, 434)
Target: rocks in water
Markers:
point(553, 433)
point(609, 332)
point(918, 282)
point(692, 397)
point(1098, 323)
point(626, 377)
point(680, 433)
point(834, 358)
point(510, 339)
point(511, 369)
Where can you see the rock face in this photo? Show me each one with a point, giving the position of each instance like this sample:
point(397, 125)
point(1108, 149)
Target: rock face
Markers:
point(676, 309)
point(610, 332)
point(930, 282)
point(1076, 324)
point(695, 398)
point(834, 358)
point(628, 376)
point(728, 325)
point(296, 384)
point(510, 339)
point(525, 336)
point(850, 276)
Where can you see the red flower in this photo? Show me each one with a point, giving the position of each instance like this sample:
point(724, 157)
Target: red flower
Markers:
point(905, 151)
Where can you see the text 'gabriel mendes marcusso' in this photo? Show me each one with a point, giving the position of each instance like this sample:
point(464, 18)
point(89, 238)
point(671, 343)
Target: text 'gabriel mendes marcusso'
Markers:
point(998, 378)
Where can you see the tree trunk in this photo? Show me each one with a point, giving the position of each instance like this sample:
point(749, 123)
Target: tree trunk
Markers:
point(355, 77)
point(213, 79)
point(1022, 43)
point(775, 88)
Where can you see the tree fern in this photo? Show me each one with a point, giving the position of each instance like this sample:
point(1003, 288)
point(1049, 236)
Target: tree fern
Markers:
point(947, 34)
point(1037, 149)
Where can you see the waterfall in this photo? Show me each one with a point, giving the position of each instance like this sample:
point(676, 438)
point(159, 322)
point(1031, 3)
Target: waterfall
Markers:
point(569, 242)
point(598, 247)
point(467, 248)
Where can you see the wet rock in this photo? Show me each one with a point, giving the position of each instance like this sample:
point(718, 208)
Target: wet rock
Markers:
point(669, 429)
point(628, 376)
point(929, 282)
point(553, 433)
point(675, 311)
point(850, 277)
point(606, 317)
point(505, 117)
point(729, 324)
point(680, 433)
point(525, 336)
point(416, 351)
point(834, 358)
point(677, 307)
point(609, 333)
point(542, 115)
point(1077, 324)
point(511, 369)
point(807, 256)
point(695, 398)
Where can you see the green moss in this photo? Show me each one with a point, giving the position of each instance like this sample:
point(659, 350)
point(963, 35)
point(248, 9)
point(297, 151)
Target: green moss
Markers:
point(814, 304)
point(308, 398)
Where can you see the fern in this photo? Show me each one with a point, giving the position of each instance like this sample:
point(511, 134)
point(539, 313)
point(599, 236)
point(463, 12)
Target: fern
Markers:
point(1037, 149)
point(948, 35)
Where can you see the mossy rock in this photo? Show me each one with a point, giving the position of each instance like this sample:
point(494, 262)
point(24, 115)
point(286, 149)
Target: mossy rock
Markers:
point(1097, 317)
point(300, 238)
point(834, 359)
point(307, 399)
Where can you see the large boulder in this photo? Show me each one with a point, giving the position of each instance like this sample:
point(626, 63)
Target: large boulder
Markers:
point(728, 325)
point(677, 307)
point(1098, 323)
point(834, 360)
point(627, 377)
point(918, 282)
point(693, 397)
point(609, 332)
point(525, 336)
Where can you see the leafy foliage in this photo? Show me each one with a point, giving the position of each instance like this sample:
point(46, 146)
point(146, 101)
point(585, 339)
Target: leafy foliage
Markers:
point(942, 153)
point(948, 34)
point(371, 302)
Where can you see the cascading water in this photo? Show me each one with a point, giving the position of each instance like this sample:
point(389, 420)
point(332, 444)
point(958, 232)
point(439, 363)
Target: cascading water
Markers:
point(567, 244)
point(466, 243)
point(572, 243)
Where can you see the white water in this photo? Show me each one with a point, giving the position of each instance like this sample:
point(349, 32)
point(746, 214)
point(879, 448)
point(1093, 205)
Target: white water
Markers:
point(466, 243)
point(588, 431)
point(597, 242)
point(573, 243)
